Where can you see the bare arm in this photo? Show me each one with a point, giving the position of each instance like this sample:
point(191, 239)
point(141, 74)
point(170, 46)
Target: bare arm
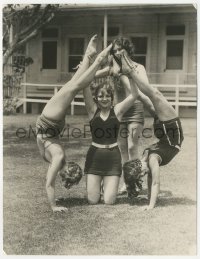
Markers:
point(89, 102)
point(123, 106)
point(137, 72)
point(142, 97)
point(86, 78)
point(50, 184)
point(155, 181)
point(147, 103)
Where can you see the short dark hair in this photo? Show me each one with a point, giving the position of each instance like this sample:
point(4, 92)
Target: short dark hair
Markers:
point(132, 170)
point(126, 44)
point(108, 88)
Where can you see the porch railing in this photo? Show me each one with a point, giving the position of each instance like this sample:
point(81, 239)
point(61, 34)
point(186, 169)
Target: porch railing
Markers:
point(173, 94)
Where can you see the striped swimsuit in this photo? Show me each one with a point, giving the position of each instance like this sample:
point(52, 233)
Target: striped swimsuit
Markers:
point(170, 135)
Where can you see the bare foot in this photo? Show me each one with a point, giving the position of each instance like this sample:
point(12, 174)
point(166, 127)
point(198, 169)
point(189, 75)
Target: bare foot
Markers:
point(127, 63)
point(104, 54)
point(92, 47)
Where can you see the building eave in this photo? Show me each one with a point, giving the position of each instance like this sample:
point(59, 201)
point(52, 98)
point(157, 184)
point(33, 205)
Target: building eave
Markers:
point(160, 8)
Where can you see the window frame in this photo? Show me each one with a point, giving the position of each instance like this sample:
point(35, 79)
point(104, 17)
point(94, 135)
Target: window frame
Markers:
point(20, 55)
point(71, 36)
point(185, 47)
point(148, 54)
point(51, 39)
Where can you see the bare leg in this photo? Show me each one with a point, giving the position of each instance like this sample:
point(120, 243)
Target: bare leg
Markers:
point(137, 72)
point(90, 51)
point(93, 188)
point(131, 149)
point(58, 104)
point(149, 183)
point(111, 184)
point(123, 146)
point(135, 130)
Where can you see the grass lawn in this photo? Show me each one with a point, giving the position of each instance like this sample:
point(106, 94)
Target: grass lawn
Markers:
point(30, 227)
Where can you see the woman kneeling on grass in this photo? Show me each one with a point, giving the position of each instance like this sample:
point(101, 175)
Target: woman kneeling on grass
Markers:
point(52, 121)
point(103, 160)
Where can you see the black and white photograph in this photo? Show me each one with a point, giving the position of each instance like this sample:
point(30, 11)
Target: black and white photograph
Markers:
point(99, 128)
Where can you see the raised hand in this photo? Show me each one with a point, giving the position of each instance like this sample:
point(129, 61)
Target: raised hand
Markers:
point(127, 63)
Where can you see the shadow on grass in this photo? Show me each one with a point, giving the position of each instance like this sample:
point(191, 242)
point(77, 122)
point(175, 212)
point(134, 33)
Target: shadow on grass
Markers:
point(165, 199)
point(71, 202)
point(163, 202)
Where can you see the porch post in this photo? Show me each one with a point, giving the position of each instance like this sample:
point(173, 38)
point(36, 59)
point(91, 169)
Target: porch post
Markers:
point(177, 94)
point(24, 98)
point(55, 89)
point(72, 107)
point(105, 34)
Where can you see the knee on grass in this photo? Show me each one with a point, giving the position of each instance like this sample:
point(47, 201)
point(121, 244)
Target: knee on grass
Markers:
point(109, 200)
point(93, 198)
point(93, 201)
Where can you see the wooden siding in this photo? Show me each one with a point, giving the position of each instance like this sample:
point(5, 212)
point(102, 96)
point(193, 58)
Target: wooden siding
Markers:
point(132, 23)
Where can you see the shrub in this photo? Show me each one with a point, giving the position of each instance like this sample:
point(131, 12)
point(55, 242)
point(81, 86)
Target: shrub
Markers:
point(10, 106)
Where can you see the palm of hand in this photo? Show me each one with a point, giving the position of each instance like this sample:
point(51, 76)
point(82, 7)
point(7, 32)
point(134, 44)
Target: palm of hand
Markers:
point(126, 62)
point(59, 209)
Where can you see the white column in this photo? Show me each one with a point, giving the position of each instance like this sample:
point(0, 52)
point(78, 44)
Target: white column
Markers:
point(105, 35)
point(177, 94)
point(24, 98)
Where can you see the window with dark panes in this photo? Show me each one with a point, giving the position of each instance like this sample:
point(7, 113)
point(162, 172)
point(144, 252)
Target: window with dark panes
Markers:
point(76, 51)
point(175, 35)
point(174, 54)
point(19, 58)
point(140, 44)
point(49, 54)
point(49, 48)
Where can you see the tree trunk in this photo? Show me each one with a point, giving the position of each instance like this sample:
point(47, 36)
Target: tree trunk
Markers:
point(6, 58)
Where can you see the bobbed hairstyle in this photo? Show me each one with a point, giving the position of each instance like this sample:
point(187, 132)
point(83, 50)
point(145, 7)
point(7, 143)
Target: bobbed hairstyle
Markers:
point(132, 171)
point(126, 44)
point(107, 86)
